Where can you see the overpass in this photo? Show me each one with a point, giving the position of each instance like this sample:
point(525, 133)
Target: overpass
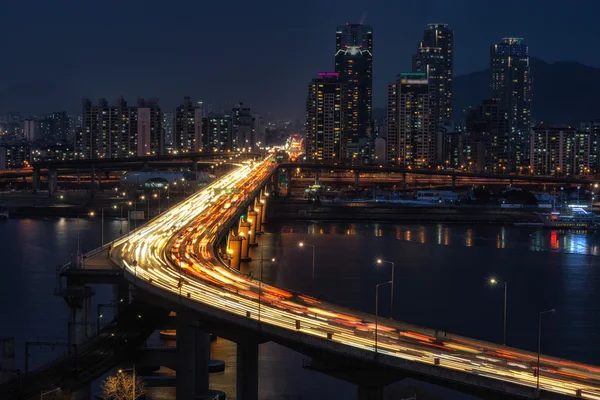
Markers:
point(357, 169)
point(175, 263)
point(174, 260)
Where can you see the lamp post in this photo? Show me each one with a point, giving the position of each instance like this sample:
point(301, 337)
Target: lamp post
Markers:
point(133, 376)
point(42, 394)
point(157, 195)
point(377, 310)
point(262, 261)
point(380, 261)
point(540, 346)
point(302, 244)
point(494, 281)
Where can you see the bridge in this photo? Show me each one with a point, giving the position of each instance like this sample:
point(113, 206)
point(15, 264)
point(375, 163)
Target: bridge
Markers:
point(175, 262)
point(454, 174)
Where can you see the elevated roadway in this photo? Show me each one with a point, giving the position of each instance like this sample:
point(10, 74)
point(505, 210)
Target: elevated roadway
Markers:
point(173, 259)
point(434, 172)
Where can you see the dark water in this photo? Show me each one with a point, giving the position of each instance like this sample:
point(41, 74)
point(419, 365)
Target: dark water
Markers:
point(440, 282)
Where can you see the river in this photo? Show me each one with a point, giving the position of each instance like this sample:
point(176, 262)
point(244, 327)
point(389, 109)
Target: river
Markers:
point(442, 278)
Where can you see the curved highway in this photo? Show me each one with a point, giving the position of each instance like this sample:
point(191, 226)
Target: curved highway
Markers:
point(181, 242)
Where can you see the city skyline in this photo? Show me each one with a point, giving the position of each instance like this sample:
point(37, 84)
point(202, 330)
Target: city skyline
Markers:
point(41, 80)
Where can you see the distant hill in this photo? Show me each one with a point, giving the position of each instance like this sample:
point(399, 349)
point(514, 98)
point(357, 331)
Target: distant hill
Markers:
point(563, 92)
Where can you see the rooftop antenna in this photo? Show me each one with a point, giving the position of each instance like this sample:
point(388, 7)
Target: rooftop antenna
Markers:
point(363, 17)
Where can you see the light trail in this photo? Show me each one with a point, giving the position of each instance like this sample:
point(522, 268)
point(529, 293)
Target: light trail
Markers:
point(180, 244)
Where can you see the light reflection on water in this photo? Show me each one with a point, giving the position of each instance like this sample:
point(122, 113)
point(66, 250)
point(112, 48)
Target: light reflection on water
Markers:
point(438, 280)
point(502, 237)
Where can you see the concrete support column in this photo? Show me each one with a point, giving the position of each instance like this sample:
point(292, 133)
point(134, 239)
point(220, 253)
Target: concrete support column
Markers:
point(243, 230)
point(247, 371)
point(356, 178)
point(194, 166)
point(78, 177)
point(258, 208)
point(404, 181)
point(317, 178)
point(79, 301)
point(52, 181)
point(185, 358)
point(263, 215)
point(370, 392)
point(201, 361)
point(234, 249)
point(252, 218)
point(453, 181)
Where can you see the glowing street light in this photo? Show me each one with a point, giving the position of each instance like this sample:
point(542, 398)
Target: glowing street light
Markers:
point(493, 282)
point(302, 244)
point(380, 262)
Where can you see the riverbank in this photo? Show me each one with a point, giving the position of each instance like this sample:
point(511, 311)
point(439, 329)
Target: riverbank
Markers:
point(281, 210)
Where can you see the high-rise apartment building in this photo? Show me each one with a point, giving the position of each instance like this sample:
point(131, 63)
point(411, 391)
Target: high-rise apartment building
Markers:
point(354, 63)
point(168, 123)
point(435, 56)
point(511, 87)
point(116, 131)
point(216, 132)
point(560, 151)
point(242, 128)
point(485, 143)
point(259, 129)
point(188, 127)
point(411, 131)
point(324, 116)
point(149, 128)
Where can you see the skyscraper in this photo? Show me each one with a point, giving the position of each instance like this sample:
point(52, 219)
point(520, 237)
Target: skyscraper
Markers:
point(485, 145)
point(511, 87)
point(149, 129)
point(354, 63)
point(167, 126)
point(324, 118)
point(188, 127)
point(411, 121)
point(242, 128)
point(216, 132)
point(435, 56)
point(108, 131)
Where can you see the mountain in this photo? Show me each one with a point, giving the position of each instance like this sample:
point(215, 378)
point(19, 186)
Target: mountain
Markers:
point(563, 92)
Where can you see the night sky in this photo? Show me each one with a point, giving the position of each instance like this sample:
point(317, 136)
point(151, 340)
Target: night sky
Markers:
point(260, 52)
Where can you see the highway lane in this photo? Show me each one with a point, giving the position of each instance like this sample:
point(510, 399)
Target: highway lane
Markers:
point(176, 251)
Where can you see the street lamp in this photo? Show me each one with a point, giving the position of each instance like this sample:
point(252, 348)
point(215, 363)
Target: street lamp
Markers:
point(262, 261)
point(540, 346)
point(302, 244)
point(377, 309)
point(380, 261)
point(133, 375)
point(493, 282)
point(42, 394)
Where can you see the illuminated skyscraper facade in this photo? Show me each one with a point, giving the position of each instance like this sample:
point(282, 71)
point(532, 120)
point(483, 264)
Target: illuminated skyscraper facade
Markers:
point(324, 118)
point(511, 87)
point(354, 64)
point(435, 56)
point(411, 136)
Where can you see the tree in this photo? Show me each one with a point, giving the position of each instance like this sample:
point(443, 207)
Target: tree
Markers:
point(120, 387)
